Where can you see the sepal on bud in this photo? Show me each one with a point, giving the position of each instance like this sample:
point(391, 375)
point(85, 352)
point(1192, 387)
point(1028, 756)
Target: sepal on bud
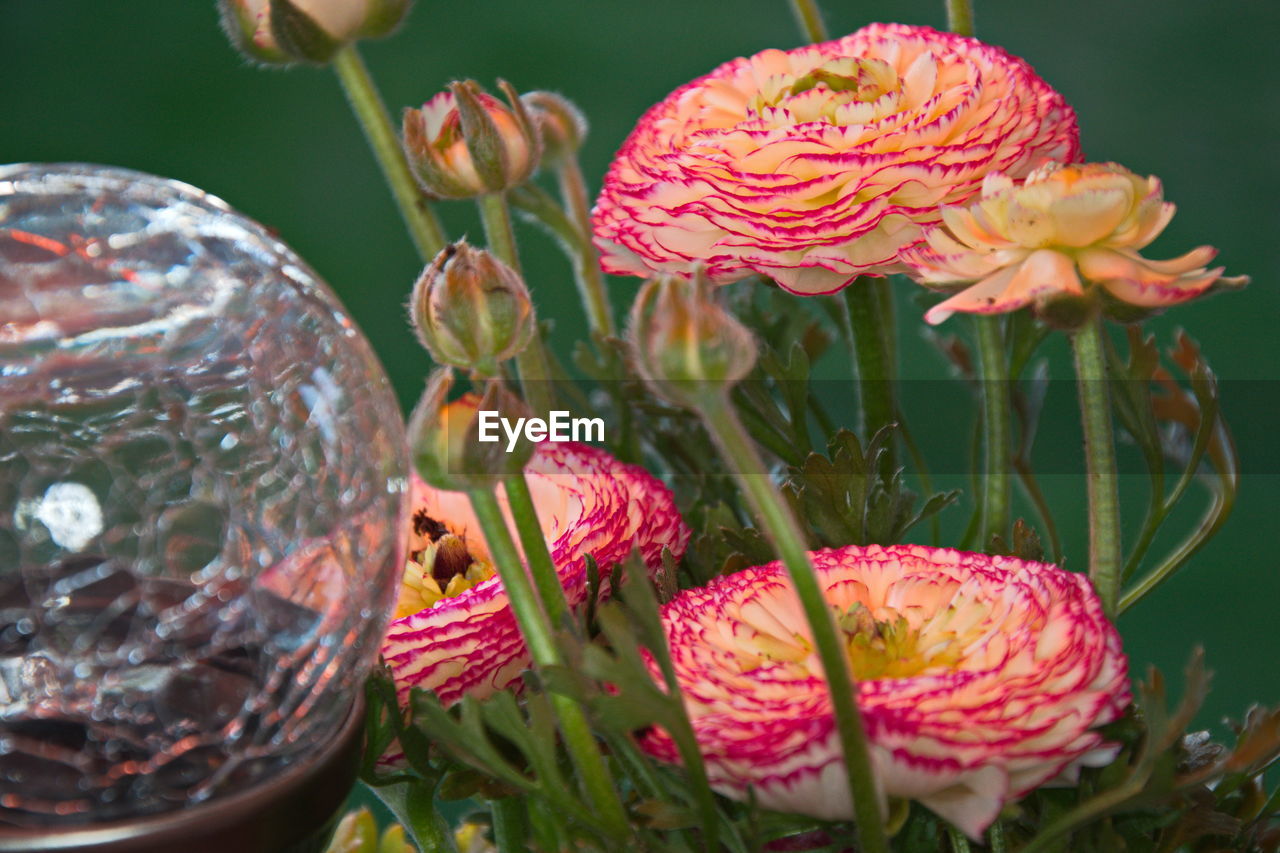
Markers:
point(282, 32)
point(471, 310)
point(561, 125)
point(464, 142)
point(685, 344)
point(444, 437)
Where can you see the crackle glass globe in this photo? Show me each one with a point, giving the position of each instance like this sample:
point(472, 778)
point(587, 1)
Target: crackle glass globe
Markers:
point(202, 482)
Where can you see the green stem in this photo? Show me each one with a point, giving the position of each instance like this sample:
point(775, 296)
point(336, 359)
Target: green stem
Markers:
point(781, 526)
point(993, 383)
point(515, 580)
point(872, 350)
point(545, 577)
point(542, 648)
point(1104, 501)
point(995, 838)
point(959, 844)
point(413, 804)
point(960, 17)
point(498, 232)
point(809, 17)
point(532, 360)
point(366, 103)
point(510, 825)
point(573, 191)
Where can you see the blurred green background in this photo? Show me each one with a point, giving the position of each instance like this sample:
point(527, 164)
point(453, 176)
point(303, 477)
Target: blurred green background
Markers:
point(1186, 90)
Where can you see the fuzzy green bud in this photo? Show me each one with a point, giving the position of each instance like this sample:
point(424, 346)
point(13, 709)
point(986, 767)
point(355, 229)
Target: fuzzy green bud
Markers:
point(445, 441)
point(685, 344)
point(561, 125)
point(471, 310)
point(282, 32)
point(464, 142)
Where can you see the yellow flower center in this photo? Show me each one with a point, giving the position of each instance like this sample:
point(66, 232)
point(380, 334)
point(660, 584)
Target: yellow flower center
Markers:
point(890, 648)
point(824, 91)
point(443, 569)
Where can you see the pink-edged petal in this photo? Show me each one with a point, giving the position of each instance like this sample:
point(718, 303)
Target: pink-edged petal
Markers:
point(1159, 291)
point(1042, 273)
point(989, 296)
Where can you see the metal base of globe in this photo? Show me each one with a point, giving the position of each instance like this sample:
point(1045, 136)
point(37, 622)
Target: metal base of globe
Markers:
point(292, 812)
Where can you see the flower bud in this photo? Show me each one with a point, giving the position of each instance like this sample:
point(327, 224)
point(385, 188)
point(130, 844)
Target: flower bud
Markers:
point(471, 310)
point(358, 833)
point(465, 142)
point(444, 437)
point(281, 32)
point(685, 343)
point(561, 125)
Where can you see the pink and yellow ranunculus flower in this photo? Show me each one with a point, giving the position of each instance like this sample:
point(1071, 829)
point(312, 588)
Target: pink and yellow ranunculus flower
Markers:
point(980, 678)
point(814, 165)
point(1035, 241)
point(454, 631)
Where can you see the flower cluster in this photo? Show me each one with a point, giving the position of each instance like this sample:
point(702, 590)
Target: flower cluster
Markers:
point(814, 165)
point(464, 639)
point(980, 678)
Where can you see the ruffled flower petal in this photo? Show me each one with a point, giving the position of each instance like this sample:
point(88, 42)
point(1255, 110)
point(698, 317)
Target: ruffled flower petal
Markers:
point(980, 678)
point(815, 165)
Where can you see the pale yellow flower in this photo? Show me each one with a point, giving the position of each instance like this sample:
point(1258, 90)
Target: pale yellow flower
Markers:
point(1052, 236)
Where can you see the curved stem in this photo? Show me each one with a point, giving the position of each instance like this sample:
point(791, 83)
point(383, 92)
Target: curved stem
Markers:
point(573, 191)
point(809, 17)
point(413, 804)
point(960, 17)
point(1216, 515)
point(781, 526)
point(532, 360)
point(1099, 444)
point(366, 103)
point(542, 648)
point(866, 301)
point(993, 382)
point(545, 577)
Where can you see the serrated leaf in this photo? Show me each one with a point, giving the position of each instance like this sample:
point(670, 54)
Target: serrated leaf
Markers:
point(1024, 545)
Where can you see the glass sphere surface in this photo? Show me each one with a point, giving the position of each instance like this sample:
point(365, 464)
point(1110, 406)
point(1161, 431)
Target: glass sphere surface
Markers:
point(202, 493)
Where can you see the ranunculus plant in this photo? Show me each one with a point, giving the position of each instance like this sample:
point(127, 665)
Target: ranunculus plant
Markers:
point(720, 629)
